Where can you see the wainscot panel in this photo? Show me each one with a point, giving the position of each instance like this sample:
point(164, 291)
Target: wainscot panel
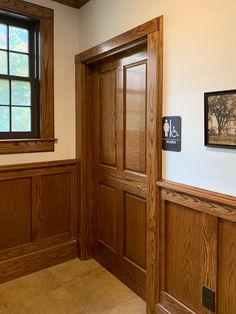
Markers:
point(197, 251)
point(38, 216)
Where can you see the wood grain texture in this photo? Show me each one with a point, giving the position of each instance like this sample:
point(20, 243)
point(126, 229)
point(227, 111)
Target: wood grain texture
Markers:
point(25, 8)
point(203, 194)
point(47, 78)
point(26, 264)
point(108, 217)
point(210, 247)
point(15, 212)
point(227, 267)
point(210, 255)
point(107, 92)
point(135, 229)
point(29, 248)
point(85, 151)
point(183, 255)
point(171, 305)
point(36, 208)
point(118, 43)
point(17, 168)
point(55, 204)
point(154, 168)
point(135, 117)
point(205, 206)
point(36, 202)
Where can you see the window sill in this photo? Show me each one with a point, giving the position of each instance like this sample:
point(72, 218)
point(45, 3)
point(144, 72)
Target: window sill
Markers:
point(17, 146)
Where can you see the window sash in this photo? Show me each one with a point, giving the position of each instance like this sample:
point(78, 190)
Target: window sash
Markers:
point(33, 77)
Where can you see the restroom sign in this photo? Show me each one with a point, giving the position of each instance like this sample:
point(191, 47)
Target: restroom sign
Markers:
point(171, 133)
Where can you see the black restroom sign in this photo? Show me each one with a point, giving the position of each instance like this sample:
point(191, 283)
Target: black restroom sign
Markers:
point(171, 133)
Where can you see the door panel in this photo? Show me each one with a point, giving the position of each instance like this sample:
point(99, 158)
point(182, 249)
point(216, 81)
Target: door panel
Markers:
point(108, 217)
point(135, 117)
point(107, 93)
point(120, 166)
point(135, 229)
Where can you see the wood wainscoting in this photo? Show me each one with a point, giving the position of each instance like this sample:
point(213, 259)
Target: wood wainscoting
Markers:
point(197, 248)
point(38, 218)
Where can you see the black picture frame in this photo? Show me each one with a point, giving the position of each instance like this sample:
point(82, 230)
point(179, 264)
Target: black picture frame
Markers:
point(220, 119)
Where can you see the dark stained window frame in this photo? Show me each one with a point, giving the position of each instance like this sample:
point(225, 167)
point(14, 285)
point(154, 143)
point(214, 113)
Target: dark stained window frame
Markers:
point(44, 140)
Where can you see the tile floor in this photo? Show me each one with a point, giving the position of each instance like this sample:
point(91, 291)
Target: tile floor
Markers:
point(74, 287)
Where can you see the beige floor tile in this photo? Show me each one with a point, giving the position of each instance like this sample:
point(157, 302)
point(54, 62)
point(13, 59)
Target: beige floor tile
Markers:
point(135, 306)
point(16, 309)
point(57, 301)
point(74, 287)
point(22, 290)
point(99, 292)
point(2, 307)
point(75, 269)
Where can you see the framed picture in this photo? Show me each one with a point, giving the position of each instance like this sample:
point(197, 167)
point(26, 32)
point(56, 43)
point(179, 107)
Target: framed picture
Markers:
point(220, 119)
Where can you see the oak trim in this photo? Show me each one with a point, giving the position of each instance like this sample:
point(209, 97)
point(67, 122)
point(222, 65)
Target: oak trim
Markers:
point(73, 3)
point(46, 140)
point(203, 194)
point(154, 160)
point(119, 43)
point(38, 165)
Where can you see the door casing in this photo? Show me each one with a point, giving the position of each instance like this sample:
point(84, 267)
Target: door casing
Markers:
point(152, 33)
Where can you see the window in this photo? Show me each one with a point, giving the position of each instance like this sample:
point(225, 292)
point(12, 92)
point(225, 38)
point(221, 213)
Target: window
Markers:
point(26, 78)
point(19, 77)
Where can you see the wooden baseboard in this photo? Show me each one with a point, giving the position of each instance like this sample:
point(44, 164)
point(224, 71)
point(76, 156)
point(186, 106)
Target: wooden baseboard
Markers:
point(35, 261)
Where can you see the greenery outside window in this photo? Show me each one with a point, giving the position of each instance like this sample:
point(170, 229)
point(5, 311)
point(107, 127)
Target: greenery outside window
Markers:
point(19, 77)
point(26, 78)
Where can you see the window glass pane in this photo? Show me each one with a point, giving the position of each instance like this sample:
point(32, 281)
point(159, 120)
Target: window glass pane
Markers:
point(4, 92)
point(3, 36)
point(19, 64)
point(4, 119)
point(3, 62)
point(21, 119)
point(20, 93)
point(18, 39)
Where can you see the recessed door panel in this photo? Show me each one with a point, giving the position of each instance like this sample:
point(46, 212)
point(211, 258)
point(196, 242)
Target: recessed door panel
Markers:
point(108, 118)
point(135, 117)
point(108, 216)
point(15, 216)
point(183, 255)
point(135, 229)
point(227, 267)
point(55, 210)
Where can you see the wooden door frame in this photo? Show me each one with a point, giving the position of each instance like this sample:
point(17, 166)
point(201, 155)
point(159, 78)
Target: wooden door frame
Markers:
point(151, 33)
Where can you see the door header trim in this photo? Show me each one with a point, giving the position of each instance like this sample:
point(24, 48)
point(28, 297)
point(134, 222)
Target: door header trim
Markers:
point(130, 39)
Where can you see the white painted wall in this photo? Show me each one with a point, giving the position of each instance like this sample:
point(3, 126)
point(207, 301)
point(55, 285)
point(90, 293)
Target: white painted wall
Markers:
point(199, 56)
point(65, 48)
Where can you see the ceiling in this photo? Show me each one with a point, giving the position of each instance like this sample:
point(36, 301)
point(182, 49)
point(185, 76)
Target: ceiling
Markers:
point(73, 3)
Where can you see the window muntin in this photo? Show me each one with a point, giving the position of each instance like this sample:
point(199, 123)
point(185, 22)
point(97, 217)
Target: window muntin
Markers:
point(19, 98)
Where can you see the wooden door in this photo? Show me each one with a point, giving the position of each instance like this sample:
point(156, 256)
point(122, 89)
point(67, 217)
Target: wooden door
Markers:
point(120, 99)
